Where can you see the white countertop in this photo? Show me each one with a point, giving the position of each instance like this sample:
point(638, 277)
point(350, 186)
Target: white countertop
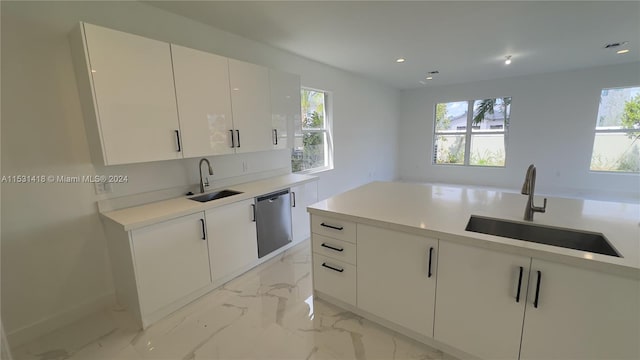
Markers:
point(148, 214)
point(442, 211)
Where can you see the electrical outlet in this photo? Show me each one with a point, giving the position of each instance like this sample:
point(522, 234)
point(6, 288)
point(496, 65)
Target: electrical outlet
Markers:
point(103, 187)
point(100, 188)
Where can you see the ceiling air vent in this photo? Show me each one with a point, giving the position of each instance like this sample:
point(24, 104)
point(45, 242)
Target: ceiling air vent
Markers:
point(615, 45)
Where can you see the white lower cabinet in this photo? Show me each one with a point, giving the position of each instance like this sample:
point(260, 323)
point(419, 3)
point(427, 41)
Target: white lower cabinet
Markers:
point(477, 305)
point(485, 303)
point(397, 277)
point(580, 314)
point(301, 197)
point(335, 278)
point(563, 311)
point(232, 239)
point(334, 258)
point(171, 261)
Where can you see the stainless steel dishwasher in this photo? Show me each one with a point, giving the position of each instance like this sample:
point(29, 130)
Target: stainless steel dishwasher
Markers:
point(273, 221)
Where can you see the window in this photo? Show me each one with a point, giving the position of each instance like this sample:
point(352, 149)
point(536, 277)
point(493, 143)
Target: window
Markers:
point(615, 147)
point(312, 150)
point(471, 132)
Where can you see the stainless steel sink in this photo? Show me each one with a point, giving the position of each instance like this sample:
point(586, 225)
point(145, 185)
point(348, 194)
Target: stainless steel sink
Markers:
point(571, 239)
point(215, 195)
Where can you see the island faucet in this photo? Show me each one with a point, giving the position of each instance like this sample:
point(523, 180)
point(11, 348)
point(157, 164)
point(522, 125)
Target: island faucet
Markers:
point(529, 188)
point(204, 183)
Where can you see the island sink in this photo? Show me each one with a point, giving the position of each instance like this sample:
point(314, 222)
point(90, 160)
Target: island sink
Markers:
point(566, 238)
point(215, 195)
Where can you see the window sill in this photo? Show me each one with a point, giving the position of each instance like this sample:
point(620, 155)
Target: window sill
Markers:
point(614, 172)
point(314, 170)
point(473, 166)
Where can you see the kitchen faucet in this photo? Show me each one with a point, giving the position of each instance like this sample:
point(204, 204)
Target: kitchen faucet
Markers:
point(528, 188)
point(204, 183)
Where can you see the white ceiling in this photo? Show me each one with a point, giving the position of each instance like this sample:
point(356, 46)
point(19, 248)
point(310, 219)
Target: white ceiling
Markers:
point(465, 41)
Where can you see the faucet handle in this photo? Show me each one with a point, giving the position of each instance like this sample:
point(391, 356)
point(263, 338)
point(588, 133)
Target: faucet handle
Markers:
point(540, 209)
point(206, 183)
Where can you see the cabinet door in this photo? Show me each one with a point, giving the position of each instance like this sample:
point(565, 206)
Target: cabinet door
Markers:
point(394, 279)
point(233, 242)
point(204, 102)
point(134, 95)
point(302, 196)
point(477, 310)
point(285, 105)
point(581, 314)
point(171, 261)
point(251, 107)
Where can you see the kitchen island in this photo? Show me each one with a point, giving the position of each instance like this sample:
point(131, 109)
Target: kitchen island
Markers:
point(399, 254)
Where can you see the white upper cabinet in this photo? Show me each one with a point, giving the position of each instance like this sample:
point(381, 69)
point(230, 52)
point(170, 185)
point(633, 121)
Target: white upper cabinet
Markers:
point(133, 96)
point(204, 102)
point(580, 314)
point(285, 105)
point(147, 100)
point(251, 107)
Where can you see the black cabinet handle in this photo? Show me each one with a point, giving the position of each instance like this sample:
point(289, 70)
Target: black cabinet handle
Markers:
point(253, 207)
point(275, 136)
point(293, 196)
point(535, 302)
point(519, 284)
point(331, 247)
point(332, 227)
point(204, 232)
point(332, 268)
point(238, 135)
point(178, 140)
point(233, 141)
point(430, 260)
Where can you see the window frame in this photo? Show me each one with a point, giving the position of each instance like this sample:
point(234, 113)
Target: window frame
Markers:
point(327, 130)
point(468, 134)
point(610, 130)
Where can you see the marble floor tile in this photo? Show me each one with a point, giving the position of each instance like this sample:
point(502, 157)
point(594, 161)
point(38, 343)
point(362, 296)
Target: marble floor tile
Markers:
point(267, 313)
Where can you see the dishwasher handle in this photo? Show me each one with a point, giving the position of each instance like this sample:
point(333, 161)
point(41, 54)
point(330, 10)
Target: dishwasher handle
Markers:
point(272, 196)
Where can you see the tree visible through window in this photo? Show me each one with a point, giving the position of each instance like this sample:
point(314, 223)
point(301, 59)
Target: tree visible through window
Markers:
point(616, 145)
point(312, 137)
point(472, 132)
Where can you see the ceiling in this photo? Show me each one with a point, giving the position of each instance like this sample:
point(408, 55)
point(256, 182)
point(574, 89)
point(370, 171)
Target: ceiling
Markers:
point(464, 41)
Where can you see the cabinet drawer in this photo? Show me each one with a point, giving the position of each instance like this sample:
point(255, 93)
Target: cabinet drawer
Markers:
point(334, 228)
point(334, 248)
point(335, 278)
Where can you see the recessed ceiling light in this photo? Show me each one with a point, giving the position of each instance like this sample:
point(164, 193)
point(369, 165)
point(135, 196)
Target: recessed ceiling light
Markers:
point(429, 77)
point(400, 60)
point(624, 51)
point(508, 60)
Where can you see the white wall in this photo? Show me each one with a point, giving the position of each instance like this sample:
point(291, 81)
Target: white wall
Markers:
point(552, 125)
point(54, 259)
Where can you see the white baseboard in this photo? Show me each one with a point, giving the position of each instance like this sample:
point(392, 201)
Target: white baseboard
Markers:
point(44, 326)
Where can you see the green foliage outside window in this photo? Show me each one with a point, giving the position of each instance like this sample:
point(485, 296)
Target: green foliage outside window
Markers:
point(310, 153)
